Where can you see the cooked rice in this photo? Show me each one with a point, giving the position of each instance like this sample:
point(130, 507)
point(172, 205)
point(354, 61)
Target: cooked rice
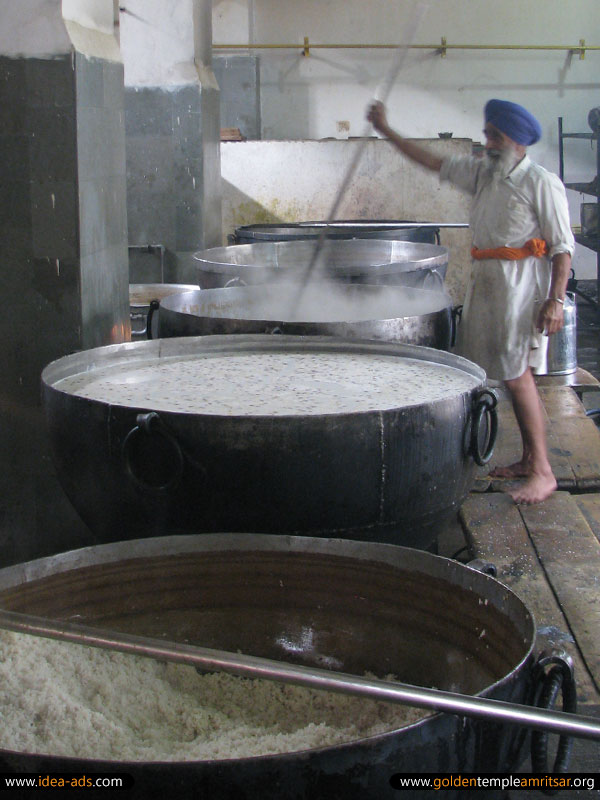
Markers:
point(69, 700)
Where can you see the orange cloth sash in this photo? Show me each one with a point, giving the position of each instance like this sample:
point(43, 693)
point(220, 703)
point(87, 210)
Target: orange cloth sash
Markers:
point(534, 247)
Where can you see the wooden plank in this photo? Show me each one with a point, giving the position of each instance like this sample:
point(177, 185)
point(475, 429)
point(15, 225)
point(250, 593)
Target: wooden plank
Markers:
point(508, 450)
point(577, 435)
point(589, 505)
point(569, 552)
point(232, 135)
point(581, 380)
point(495, 530)
point(573, 442)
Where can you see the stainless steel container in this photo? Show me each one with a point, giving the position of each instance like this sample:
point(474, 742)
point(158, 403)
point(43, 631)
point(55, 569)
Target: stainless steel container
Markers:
point(361, 606)
point(560, 356)
point(389, 313)
point(382, 473)
point(349, 261)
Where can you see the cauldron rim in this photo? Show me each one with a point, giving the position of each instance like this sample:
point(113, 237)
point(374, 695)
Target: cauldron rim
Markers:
point(421, 255)
point(157, 349)
point(285, 342)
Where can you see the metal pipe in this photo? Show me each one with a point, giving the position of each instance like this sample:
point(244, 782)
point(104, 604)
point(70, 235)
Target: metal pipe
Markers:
point(443, 46)
point(268, 669)
point(371, 224)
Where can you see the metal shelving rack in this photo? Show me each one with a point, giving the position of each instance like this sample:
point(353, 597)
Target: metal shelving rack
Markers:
point(593, 188)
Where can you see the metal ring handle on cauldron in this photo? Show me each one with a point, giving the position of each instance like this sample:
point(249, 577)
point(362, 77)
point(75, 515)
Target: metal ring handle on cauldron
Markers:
point(432, 279)
point(150, 424)
point(455, 318)
point(559, 676)
point(485, 404)
point(154, 305)
point(485, 567)
point(237, 281)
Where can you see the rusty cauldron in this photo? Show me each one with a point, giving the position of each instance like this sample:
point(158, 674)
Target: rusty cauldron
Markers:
point(359, 606)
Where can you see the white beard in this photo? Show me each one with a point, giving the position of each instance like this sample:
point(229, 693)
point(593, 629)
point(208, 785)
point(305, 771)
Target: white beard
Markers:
point(501, 162)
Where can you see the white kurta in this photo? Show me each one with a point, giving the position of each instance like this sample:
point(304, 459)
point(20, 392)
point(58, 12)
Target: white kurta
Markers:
point(497, 330)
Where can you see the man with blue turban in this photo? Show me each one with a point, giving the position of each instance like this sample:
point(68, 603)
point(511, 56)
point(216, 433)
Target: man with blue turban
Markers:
point(514, 121)
point(522, 248)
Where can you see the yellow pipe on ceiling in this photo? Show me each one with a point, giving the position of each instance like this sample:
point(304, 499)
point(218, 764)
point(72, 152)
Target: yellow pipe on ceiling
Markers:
point(441, 48)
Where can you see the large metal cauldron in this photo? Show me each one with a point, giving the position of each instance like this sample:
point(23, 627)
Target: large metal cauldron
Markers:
point(357, 606)
point(351, 261)
point(393, 314)
point(390, 230)
point(139, 466)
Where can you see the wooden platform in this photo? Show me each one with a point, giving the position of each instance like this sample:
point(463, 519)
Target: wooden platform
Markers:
point(549, 554)
point(580, 380)
point(573, 439)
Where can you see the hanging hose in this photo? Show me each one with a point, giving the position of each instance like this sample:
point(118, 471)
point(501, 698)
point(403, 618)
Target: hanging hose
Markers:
point(559, 677)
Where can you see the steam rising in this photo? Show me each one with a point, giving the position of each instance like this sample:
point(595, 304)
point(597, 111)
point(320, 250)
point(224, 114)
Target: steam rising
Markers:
point(320, 302)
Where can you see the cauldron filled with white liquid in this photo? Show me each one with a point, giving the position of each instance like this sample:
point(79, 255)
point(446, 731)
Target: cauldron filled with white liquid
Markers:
point(317, 436)
point(396, 263)
point(358, 311)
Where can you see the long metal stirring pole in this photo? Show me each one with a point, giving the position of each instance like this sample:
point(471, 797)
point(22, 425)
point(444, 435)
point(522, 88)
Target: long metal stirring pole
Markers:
point(268, 669)
point(382, 94)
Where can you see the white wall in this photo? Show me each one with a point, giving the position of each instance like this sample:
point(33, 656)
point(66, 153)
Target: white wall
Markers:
point(50, 28)
point(326, 93)
point(96, 14)
point(157, 39)
point(265, 181)
point(35, 28)
point(233, 18)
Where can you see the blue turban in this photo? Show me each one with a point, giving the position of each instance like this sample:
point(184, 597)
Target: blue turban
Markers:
point(514, 121)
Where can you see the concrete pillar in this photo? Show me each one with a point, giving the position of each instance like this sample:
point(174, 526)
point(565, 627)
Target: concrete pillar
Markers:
point(237, 74)
point(173, 135)
point(63, 240)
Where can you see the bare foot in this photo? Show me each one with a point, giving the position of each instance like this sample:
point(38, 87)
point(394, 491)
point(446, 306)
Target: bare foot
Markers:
point(519, 469)
point(536, 489)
